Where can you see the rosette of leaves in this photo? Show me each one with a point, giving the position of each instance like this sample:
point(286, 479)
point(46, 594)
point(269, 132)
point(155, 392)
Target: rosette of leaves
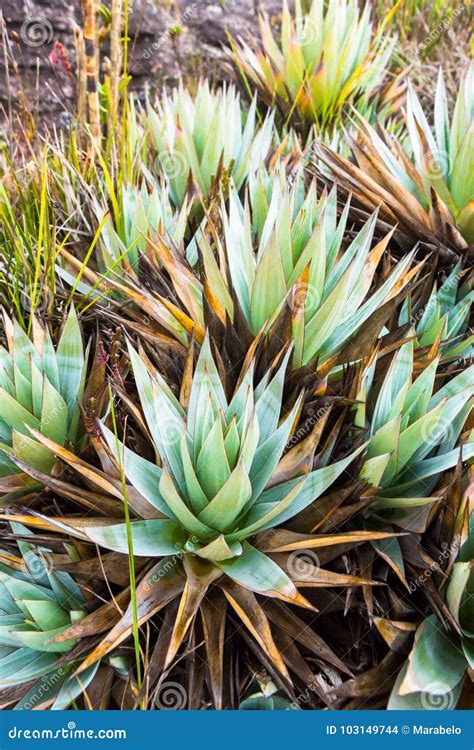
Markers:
point(427, 188)
point(445, 317)
point(209, 506)
point(324, 59)
point(417, 432)
point(144, 212)
point(290, 253)
point(40, 386)
point(37, 604)
point(433, 676)
point(279, 259)
point(207, 139)
point(414, 427)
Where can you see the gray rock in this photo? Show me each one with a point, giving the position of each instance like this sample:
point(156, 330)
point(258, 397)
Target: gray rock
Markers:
point(169, 40)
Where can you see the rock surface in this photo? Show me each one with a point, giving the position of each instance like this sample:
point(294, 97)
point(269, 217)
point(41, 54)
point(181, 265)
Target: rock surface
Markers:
point(168, 40)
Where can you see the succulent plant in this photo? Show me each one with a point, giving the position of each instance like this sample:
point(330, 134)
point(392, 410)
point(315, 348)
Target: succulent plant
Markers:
point(427, 188)
point(325, 58)
point(203, 137)
point(294, 255)
point(417, 432)
point(144, 213)
point(278, 255)
point(40, 386)
point(434, 674)
point(257, 493)
point(37, 604)
point(446, 314)
point(222, 483)
point(414, 427)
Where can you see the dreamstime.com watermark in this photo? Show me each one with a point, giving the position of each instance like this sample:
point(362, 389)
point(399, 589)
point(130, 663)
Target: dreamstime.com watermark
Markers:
point(304, 429)
point(171, 31)
point(71, 732)
point(449, 284)
point(434, 567)
point(165, 567)
point(437, 32)
point(41, 692)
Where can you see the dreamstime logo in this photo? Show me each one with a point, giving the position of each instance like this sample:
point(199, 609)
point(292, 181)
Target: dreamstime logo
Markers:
point(301, 698)
point(71, 732)
point(171, 696)
point(437, 697)
point(448, 550)
point(302, 564)
point(304, 429)
point(437, 429)
point(41, 691)
point(435, 34)
point(450, 281)
point(303, 297)
point(417, 316)
point(173, 164)
point(171, 430)
point(162, 570)
point(435, 165)
point(38, 563)
point(304, 30)
point(36, 31)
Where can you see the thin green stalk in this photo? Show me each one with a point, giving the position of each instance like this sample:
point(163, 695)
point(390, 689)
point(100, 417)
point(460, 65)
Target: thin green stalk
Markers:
point(125, 160)
point(131, 559)
point(41, 229)
point(88, 255)
point(104, 277)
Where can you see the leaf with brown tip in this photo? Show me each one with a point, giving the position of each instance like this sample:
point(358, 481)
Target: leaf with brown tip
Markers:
point(299, 460)
point(398, 635)
point(245, 604)
point(378, 679)
point(102, 619)
point(213, 613)
point(199, 577)
point(111, 566)
point(161, 585)
point(281, 540)
point(305, 572)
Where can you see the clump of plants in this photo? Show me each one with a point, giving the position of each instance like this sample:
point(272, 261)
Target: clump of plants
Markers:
point(236, 432)
point(322, 60)
point(426, 185)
